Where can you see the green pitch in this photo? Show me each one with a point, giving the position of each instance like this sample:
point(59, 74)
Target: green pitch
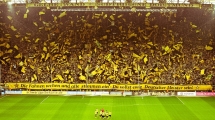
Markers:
point(23, 107)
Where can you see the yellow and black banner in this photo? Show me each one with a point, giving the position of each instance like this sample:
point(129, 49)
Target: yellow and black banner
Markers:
point(59, 86)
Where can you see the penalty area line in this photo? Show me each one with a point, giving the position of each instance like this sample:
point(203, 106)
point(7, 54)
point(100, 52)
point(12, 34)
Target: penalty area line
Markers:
point(181, 101)
point(44, 99)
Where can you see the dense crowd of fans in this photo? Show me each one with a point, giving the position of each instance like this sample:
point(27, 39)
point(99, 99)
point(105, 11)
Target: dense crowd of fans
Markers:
point(42, 46)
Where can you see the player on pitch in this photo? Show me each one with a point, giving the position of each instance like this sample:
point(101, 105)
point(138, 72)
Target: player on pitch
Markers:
point(96, 113)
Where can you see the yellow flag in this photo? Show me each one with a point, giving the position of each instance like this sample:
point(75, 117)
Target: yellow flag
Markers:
point(3, 44)
point(177, 46)
point(148, 14)
point(17, 36)
point(7, 45)
point(112, 17)
point(13, 28)
point(45, 49)
point(18, 56)
point(62, 14)
point(21, 63)
point(37, 40)
point(93, 73)
point(35, 23)
point(132, 35)
point(145, 59)
point(82, 77)
point(150, 43)
point(53, 44)
point(79, 57)
point(9, 17)
point(166, 48)
point(111, 77)
point(87, 68)
point(9, 51)
point(32, 67)
point(187, 76)
point(16, 47)
point(23, 69)
point(197, 31)
point(32, 79)
point(194, 26)
point(135, 55)
point(120, 16)
point(55, 18)
point(59, 77)
point(3, 62)
point(155, 80)
point(108, 57)
point(47, 68)
point(79, 67)
point(208, 47)
point(105, 16)
point(47, 56)
point(27, 11)
point(41, 13)
point(25, 16)
point(17, 12)
point(35, 76)
point(104, 37)
point(202, 72)
point(42, 55)
point(100, 71)
point(66, 72)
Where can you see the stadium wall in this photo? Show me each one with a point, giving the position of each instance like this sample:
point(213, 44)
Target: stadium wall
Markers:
point(104, 93)
point(69, 93)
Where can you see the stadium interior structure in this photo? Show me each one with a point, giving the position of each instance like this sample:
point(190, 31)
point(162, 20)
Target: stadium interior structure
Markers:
point(113, 42)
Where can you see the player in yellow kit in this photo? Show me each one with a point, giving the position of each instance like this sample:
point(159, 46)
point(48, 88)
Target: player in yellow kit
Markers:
point(96, 113)
point(109, 114)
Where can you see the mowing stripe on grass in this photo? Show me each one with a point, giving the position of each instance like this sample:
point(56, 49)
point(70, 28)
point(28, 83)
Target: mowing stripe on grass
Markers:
point(44, 99)
point(123, 108)
point(2, 97)
point(21, 107)
point(72, 107)
point(180, 100)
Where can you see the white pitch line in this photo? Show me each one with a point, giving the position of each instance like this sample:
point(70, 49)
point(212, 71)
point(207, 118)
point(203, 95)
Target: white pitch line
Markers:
point(44, 99)
point(180, 100)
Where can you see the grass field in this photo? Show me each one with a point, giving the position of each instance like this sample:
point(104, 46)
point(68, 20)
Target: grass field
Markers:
point(25, 107)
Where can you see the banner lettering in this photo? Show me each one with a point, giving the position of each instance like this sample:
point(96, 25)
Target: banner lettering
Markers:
point(66, 86)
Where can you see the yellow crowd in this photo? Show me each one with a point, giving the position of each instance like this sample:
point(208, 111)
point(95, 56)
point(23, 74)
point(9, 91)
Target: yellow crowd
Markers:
point(42, 46)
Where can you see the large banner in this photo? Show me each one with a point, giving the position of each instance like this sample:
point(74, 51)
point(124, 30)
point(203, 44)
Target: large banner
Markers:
point(58, 86)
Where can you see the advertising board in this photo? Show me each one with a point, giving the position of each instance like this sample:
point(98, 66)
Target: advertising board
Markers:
point(186, 93)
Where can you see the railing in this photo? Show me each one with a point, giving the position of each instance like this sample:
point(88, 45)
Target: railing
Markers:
point(110, 1)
